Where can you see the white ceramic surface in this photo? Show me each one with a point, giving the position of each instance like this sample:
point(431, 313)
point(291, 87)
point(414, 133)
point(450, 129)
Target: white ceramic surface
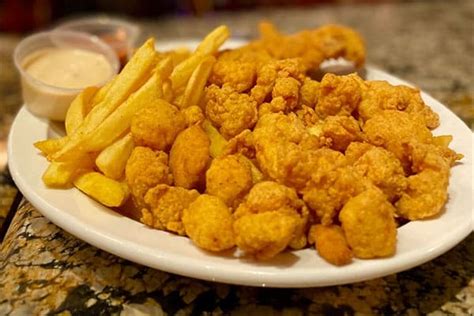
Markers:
point(418, 242)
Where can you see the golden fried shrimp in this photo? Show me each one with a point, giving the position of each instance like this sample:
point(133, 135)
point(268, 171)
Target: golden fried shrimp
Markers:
point(193, 115)
point(331, 244)
point(145, 169)
point(393, 130)
point(279, 72)
point(368, 224)
point(330, 188)
point(189, 157)
point(269, 196)
point(380, 166)
point(338, 95)
point(165, 206)
point(380, 95)
point(340, 131)
point(264, 235)
point(309, 92)
point(157, 125)
point(209, 224)
point(229, 178)
point(230, 111)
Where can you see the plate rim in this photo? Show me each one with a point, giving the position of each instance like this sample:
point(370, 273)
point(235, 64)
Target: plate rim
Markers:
point(159, 260)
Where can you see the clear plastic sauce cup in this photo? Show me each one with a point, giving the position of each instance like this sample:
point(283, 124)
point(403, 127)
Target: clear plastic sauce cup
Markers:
point(55, 66)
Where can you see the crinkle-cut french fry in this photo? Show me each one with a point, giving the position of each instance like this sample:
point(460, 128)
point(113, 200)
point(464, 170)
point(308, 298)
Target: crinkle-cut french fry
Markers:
point(165, 67)
point(50, 146)
point(107, 191)
point(218, 142)
point(62, 174)
point(211, 43)
point(197, 82)
point(181, 73)
point(78, 109)
point(168, 94)
point(112, 160)
point(100, 94)
point(129, 80)
point(119, 121)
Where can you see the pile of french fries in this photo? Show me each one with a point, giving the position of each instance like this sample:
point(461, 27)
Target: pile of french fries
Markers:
point(93, 154)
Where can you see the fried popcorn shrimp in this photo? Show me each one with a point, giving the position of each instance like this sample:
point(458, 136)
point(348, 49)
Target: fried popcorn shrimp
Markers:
point(380, 166)
point(308, 116)
point(145, 169)
point(309, 92)
point(338, 95)
point(157, 125)
point(380, 95)
point(393, 129)
point(331, 244)
point(368, 224)
point(230, 111)
point(208, 222)
point(193, 115)
point(165, 207)
point(269, 196)
point(189, 157)
point(340, 131)
point(276, 74)
point(242, 144)
point(330, 188)
point(264, 235)
point(229, 178)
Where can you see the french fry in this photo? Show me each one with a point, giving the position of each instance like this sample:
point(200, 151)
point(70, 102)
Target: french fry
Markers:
point(211, 43)
point(168, 94)
point(181, 73)
point(129, 80)
point(209, 46)
point(101, 93)
point(52, 145)
point(119, 121)
point(165, 67)
point(257, 175)
point(179, 54)
point(78, 109)
point(218, 142)
point(112, 160)
point(197, 82)
point(62, 174)
point(107, 191)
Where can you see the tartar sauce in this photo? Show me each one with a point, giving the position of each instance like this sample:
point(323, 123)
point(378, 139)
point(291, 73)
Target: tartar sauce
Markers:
point(68, 67)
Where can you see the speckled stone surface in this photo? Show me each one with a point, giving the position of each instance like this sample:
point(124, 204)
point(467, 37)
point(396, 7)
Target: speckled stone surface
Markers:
point(44, 270)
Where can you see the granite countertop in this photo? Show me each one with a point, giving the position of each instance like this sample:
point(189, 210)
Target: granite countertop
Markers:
point(45, 270)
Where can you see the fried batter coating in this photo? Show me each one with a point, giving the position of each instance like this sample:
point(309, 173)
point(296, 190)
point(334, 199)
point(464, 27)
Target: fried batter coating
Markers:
point(340, 131)
point(189, 157)
point(157, 125)
point(275, 77)
point(230, 111)
point(338, 95)
point(368, 224)
point(193, 115)
point(229, 178)
point(380, 166)
point(393, 129)
point(380, 95)
point(165, 207)
point(331, 244)
point(330, 188)
point(309, 92)
point(145, 169)
point(237, 68)
point(208, 222)
point(269, 196)
point(264, 235)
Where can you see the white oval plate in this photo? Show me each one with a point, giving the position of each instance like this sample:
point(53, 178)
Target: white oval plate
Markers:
point(418, 242)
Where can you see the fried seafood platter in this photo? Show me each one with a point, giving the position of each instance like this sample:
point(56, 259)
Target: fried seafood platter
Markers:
point(244, 149)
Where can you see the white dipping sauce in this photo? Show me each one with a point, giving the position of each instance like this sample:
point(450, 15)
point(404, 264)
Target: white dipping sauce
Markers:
point(68, 67)
point(58, 76)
